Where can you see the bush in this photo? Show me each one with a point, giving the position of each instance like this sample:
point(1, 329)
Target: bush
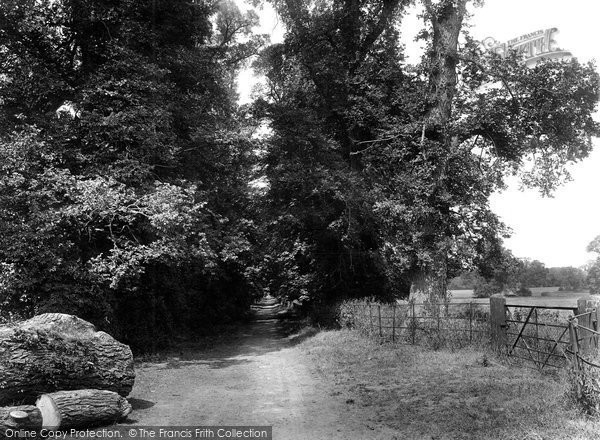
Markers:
point(524, 291)
point(585, 388)
point(485, 289)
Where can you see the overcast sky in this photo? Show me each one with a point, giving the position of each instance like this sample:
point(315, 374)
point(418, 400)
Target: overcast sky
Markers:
point(554, 230)
point(558, 230)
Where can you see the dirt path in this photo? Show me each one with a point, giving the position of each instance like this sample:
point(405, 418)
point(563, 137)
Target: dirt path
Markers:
point(258, 377)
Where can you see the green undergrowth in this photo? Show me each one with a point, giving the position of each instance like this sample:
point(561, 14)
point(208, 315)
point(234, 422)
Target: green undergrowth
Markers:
point(463, 394)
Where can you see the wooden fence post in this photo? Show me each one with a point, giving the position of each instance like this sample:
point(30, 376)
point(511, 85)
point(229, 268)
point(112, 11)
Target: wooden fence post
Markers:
point(394, 323)
point(537, 336)
point(574, 343)
point(379, 315)
point(596, 326)
point(413, 324)
point(584, 305)
point(498, 322)
point(471, 321)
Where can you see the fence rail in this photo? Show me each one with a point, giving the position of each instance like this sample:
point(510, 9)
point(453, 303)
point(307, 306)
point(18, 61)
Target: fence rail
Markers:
point(548, 335)
point(544, 349)
point(545, 335)
point(457, 323)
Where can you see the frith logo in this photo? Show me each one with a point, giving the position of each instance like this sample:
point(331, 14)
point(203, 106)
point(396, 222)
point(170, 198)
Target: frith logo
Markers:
point(534, 46)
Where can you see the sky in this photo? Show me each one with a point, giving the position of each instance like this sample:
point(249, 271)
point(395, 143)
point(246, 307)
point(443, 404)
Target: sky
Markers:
point(553, 230)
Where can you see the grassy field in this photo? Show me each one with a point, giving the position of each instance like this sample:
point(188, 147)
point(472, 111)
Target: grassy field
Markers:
point(549, 292)
point(541, 296)
point(413, 393)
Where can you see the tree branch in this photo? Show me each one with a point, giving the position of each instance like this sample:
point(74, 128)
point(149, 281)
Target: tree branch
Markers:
point(493, 75)
point(387, 12)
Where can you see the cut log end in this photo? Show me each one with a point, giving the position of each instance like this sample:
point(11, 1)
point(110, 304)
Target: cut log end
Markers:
point(126, 407)
point(19, 416)
point(50, 413)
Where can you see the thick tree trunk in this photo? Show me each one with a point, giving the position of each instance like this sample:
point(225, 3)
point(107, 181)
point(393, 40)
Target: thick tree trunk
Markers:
point(19, 417)
point(429, 286)
point(53, 352)
point(446, 18)
point(81, 408)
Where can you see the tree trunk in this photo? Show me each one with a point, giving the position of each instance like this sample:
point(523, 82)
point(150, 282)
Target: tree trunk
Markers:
point(446, 18)
point(429, 286)
point(53, 352)
point(81, 408)
point(19, 417)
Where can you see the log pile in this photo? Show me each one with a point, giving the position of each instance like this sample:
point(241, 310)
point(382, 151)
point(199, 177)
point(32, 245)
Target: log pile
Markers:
point(79, 376)
point(53, 352)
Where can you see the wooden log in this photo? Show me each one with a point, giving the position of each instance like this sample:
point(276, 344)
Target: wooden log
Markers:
point(53, 351)
point(19, 417)
point(81, 408)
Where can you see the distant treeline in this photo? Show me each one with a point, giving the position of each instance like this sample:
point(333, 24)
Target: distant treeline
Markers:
point(523, 274)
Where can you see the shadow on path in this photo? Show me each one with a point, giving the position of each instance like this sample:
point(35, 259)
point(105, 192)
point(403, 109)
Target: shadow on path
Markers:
point(271, 330)
point(239, 346)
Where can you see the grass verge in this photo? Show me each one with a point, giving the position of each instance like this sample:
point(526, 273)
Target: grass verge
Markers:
point(465, 394)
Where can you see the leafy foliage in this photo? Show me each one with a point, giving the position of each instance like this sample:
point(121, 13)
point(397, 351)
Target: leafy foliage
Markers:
point(125, 161)
point(379, 173)
point(124, 164)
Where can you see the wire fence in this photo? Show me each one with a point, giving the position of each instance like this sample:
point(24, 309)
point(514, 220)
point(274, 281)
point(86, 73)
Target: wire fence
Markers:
point(455, 324)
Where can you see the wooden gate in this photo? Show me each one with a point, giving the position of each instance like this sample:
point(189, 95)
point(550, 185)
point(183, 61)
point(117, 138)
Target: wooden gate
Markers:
point(584, 340)
point(541, 341)
point(547, 335)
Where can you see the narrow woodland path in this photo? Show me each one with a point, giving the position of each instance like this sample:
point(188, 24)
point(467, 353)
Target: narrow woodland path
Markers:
point(258, 376)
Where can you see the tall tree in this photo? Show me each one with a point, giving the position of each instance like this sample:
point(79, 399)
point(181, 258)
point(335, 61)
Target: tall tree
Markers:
point(330, 88)
point(405, 158)
point(124, 163)
point(446, 19)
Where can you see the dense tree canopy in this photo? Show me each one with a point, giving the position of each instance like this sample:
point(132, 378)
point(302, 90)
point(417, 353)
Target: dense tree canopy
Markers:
point(380, 172)
point(126, 163)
